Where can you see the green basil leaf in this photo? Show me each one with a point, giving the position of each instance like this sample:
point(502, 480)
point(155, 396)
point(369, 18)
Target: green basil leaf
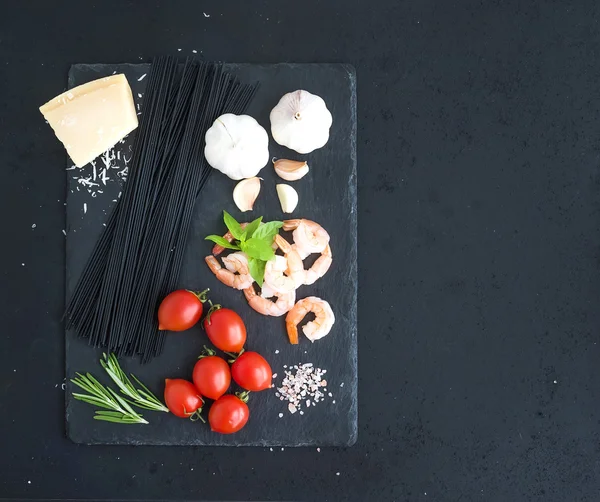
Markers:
point(267, 230)
point(251, 227)
point(258, 248)
point(217, 239)
point(257, 270)
point(233, 226)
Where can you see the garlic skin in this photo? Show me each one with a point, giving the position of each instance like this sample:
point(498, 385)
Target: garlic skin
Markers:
point(301, 121)
point(245, 193)
point(290, 170)
point(288, 198)
point(237, 145)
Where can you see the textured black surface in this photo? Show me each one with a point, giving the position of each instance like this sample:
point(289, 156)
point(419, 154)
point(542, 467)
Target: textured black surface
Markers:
point(333, 171)
point(479, 252)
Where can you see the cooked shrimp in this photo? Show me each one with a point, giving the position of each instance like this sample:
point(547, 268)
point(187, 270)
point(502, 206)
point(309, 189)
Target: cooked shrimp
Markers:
point(275, 279)
point(320, 266)
point(266, 291)
point(313, 330)
point(285, 301)
point(217, 250)
point(309, 237)
point(290, 264)
point(235, 262)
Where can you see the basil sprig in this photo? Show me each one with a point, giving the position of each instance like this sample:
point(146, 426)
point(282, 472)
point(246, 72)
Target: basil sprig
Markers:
point(255, 240)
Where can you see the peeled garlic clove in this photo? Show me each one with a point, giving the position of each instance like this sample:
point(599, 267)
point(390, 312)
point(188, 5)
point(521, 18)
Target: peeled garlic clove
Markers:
point(245, 193)
point(290, 170)
point(288, 198)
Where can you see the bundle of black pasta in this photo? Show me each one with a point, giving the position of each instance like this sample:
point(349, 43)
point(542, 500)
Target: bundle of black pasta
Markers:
point(138, 258)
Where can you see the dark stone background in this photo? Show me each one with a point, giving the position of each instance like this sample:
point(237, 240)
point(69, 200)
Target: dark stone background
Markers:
point(479, 252)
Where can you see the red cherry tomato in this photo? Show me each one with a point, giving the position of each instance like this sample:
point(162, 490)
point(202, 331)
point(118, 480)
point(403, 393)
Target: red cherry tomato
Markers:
point(182, 398)
point(252, 371)
point(225, 329)
point(228, 414)
point(212, 376)
point(180, 310)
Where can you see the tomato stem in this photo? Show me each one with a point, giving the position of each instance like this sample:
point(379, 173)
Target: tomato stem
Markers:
point(202, 295)
point(206, 352)
point(234, 356)
point(197, 415)
point(213, 308)
point(243, 396)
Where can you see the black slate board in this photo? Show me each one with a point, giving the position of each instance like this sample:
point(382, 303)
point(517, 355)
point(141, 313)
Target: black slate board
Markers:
point(327, 195)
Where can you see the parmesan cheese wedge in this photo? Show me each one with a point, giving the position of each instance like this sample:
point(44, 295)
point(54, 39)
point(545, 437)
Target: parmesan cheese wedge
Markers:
point(93, 117)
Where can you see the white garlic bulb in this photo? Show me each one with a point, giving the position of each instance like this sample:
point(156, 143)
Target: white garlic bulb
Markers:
point(301, 121)
point(237, 145)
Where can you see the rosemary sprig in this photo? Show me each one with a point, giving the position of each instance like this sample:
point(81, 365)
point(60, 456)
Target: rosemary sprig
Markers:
point(141, 397)
point(105, 397)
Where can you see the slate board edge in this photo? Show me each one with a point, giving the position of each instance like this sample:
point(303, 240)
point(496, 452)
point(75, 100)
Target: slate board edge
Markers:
point(352, 188)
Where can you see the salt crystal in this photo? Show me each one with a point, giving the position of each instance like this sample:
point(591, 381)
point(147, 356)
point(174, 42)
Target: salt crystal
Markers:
point(144, 76)
point(195, 51)
point(277, 351)
point(292, 408)
point(301, 412)
point(330, 394)
point(33, 226)
point(64, 233)
point(342, 384)
point(205, 14)
point(281, 415)
point(274, 375)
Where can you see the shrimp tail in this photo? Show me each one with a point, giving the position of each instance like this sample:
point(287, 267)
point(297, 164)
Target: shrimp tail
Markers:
point(282, 244)
point(213, 264)
point(292, 330)
point(291, 224)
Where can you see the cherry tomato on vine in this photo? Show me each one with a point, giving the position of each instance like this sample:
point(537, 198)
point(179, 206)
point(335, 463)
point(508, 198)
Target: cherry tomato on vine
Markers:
point(180, 310)
point(211, 376)
point(229, 414)
point(182, 398)
point(225, 329)
point(252, 371)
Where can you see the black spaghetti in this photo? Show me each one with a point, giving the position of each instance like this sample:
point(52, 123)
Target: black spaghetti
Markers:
point(138, 257)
